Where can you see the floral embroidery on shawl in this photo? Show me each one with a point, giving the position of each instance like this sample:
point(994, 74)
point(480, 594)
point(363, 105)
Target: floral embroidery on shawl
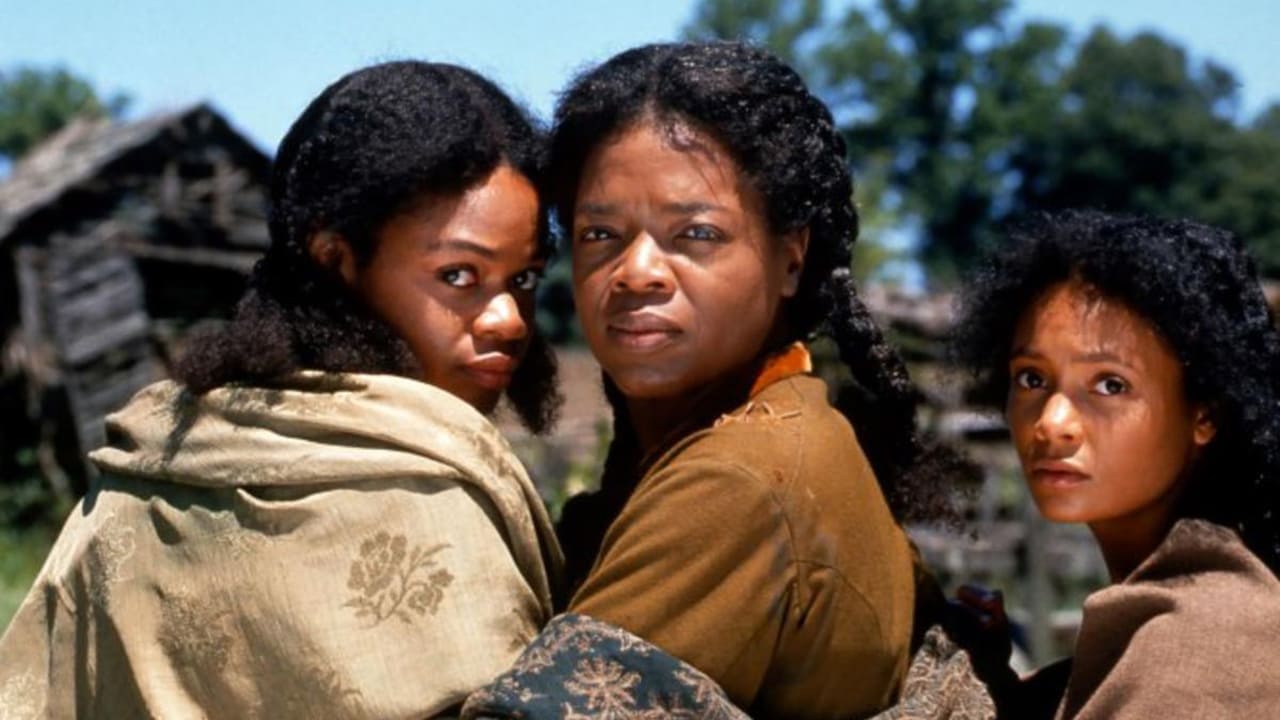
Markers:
point(317, 683)
point(390, 579)
point(20, 698)
point(941, 685)
point(114, 545)
point(582, 668)
point(193, 631)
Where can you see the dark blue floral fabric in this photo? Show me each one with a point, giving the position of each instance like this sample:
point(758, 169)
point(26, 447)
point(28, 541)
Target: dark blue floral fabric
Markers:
point(579, 668)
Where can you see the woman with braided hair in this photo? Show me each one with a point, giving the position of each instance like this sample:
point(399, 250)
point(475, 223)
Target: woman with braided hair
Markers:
point(743, 524)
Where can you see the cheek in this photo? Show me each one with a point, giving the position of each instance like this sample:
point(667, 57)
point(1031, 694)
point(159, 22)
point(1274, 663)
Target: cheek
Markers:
point(1021, 415)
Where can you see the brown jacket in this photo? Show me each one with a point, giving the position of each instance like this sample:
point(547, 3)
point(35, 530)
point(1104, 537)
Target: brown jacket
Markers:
point(1193, 633)
point(760, 550)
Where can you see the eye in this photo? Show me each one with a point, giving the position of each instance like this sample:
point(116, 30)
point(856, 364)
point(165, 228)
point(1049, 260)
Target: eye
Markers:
point(1028, 379)
point(702, 232)
point(527, 280)
point(1111, 385)
point(462, 277)
point(594, 234)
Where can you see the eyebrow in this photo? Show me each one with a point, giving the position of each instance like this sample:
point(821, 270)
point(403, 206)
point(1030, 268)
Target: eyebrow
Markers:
point(690, 208)
point(463, 246)
point(672, 208)
point(1101, 356)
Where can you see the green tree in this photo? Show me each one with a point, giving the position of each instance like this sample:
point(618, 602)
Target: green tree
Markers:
point(966, 119)
point(35, 103)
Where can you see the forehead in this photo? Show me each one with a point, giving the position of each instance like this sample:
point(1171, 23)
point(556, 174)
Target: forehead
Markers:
point(498, 215)
point(662, 156)
point(1075, 319)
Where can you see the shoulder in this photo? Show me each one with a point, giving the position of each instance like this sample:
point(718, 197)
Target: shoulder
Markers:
point(786, 431)
point(1200, 570)
point(1199, 619)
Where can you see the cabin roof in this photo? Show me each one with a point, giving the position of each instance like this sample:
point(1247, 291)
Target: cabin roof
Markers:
point(87, 148)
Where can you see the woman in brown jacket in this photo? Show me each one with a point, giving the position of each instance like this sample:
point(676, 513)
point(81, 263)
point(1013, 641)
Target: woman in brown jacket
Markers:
point(1138, 366)
point(744, 524)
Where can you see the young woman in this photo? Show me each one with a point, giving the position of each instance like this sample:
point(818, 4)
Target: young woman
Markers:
point(317, 520)
point(1139, 370)
point(742, 523)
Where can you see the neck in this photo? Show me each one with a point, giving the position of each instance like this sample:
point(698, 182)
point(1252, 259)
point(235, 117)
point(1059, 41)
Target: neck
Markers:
point(654, 419)
point(1126, 542)
point(658, 420)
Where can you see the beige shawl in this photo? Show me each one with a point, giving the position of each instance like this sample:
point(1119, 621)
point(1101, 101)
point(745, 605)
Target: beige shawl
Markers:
point(1194, 632)
point(337, 546)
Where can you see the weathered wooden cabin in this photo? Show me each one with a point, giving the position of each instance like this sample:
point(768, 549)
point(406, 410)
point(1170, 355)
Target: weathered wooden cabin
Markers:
point(115, 238)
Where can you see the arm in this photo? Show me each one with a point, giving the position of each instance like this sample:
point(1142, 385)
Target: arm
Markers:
point(699, 563)
point(582, 667)
point(37, 669)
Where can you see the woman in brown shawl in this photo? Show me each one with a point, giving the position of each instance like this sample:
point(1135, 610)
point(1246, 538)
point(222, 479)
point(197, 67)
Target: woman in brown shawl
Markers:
point(317, 520)
point(1139, 369)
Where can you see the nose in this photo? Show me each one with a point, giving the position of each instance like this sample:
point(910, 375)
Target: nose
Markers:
point(500, 319)
point(1059, 423)
point(643, 268)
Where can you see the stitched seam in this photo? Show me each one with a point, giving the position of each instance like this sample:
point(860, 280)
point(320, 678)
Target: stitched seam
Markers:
point(857, 592)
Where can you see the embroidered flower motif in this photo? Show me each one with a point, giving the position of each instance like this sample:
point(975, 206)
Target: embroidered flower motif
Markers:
point(318, 688)
point(390, 579)
point(708, 698)
point(115, 545)
point(606, 686)
point(193, 631)
point(20, 698)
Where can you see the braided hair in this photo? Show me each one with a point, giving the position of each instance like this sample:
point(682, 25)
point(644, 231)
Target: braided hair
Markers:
point(1197, 286)
point(367, 148)
point(788, 148)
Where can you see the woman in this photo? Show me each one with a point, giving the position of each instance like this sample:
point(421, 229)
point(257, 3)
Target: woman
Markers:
point(739, 525)
point(317, 520)
point(1138, 366)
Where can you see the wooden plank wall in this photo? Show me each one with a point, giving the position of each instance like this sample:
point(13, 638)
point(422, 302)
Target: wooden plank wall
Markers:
point(91, 305)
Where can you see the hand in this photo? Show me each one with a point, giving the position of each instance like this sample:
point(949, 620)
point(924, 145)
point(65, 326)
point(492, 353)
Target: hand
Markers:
point(976, 620)
point(986, 606)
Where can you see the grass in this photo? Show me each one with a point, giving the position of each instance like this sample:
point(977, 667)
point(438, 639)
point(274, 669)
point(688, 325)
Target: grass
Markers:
point(22, 553)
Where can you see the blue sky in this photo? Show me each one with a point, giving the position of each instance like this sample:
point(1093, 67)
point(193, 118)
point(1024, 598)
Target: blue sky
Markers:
point(260, 62)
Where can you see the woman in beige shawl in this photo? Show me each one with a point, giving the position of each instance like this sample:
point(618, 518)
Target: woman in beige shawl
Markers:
point(1139, 370)
point(317, 520)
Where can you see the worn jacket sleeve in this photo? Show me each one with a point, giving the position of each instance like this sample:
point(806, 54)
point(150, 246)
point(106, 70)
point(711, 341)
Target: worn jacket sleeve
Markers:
point(699, 563)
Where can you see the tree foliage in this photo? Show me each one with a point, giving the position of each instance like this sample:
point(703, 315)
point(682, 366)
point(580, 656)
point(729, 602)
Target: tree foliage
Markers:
point(35, 103)
point(967, 118)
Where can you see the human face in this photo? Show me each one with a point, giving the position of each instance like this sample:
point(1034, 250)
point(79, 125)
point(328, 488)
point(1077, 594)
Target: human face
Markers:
point(676, 274)
point(1098, 411)
point(455, 277)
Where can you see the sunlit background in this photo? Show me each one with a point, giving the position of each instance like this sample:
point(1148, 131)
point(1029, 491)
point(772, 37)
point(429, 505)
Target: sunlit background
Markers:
point(960, 114)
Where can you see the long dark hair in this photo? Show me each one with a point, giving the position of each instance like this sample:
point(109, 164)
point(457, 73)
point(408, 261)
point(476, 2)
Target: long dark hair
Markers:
point(1198, 287)
point(787, 146)
point(364, 150)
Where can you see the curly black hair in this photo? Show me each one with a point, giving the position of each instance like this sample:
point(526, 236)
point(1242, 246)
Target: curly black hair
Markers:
point(367, 148)
point(788, 148)
point(1198, 287)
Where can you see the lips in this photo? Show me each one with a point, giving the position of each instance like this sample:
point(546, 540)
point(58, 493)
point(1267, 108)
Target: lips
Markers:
point(1058, 472)
point(642, 331)
point(492, 371)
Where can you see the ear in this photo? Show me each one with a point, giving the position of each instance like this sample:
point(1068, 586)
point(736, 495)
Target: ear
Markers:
point(330, 250)
point(795, 245)
point(1204, 429)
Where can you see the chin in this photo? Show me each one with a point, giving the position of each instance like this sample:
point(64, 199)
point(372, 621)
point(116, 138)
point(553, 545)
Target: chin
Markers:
point(644, 386)
point(1054, 510)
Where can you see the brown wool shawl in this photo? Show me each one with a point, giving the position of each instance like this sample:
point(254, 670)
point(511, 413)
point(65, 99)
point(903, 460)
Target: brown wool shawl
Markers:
point(337, 546)
point(1193, 632)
